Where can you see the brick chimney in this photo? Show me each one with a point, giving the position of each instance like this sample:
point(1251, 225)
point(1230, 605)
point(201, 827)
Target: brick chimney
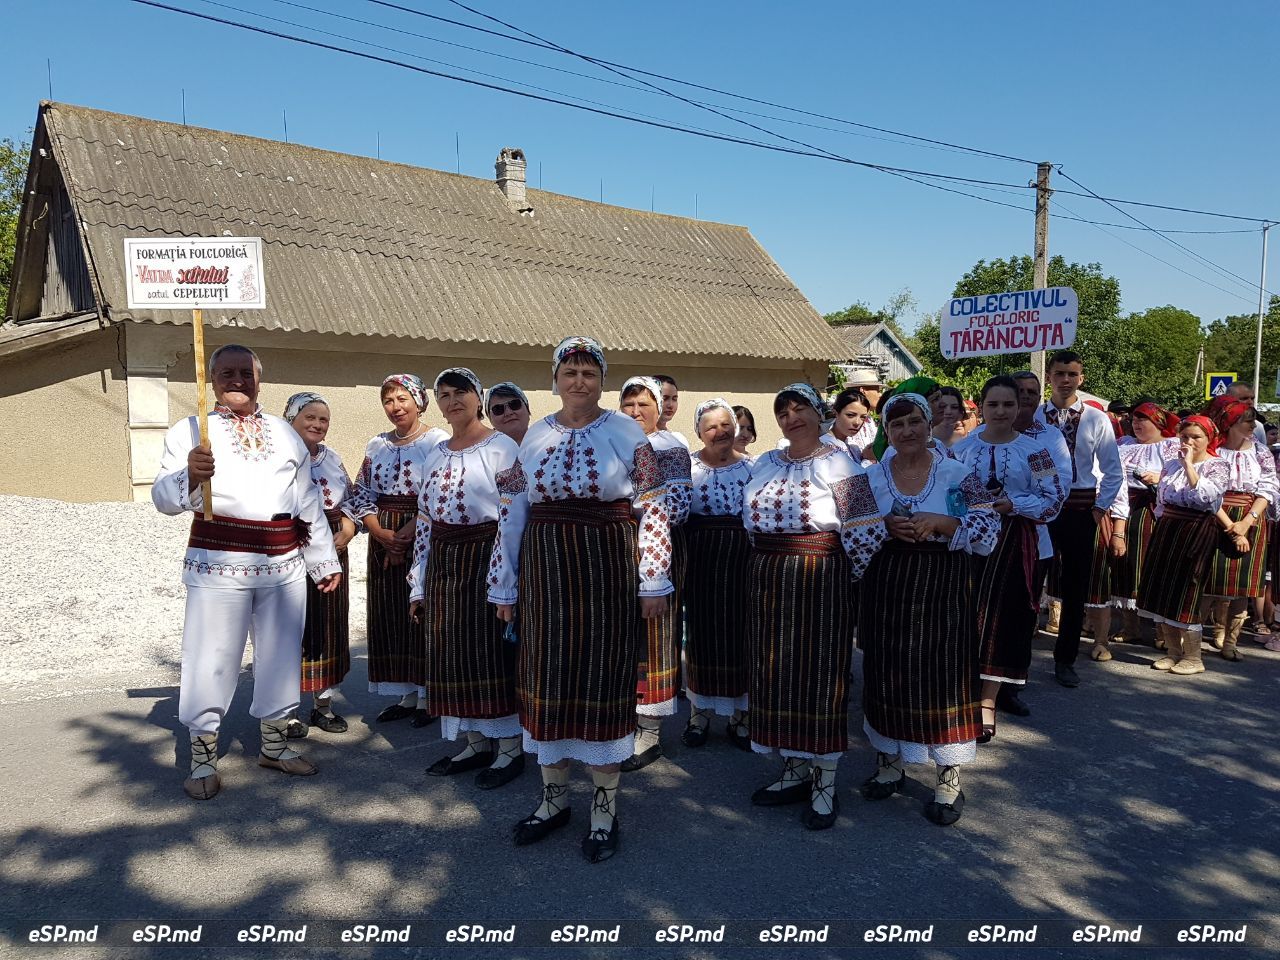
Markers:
point(510, 169)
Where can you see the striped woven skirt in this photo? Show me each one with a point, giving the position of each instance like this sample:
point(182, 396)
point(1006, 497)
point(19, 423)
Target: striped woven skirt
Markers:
point(579, 630)
point(918, 633)
point(1176, 567)
point(1275, 560)
point(801, 640)
point(326, 655)
point(1007, 602)
point(658, 674)
point(1126, 571)
point(397, 645)
point(1100, 586)
point(471, 667)
point(1243, 576)
point(716, 613)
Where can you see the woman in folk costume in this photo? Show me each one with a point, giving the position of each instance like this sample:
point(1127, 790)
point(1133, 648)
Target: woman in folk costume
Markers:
point(1142, 456)
point(326, 656)
point(658, 677)
point(508, 410)
point(1188, 500)
point(386, 501)
point(717, 621)
point(471, 664)
point(1239, 568)
point(919, 637)
point(814, 528)
point(1024, 479)
point(583, 552)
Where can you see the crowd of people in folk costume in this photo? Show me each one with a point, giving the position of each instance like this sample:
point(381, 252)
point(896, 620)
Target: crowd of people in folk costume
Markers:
point(545, 589)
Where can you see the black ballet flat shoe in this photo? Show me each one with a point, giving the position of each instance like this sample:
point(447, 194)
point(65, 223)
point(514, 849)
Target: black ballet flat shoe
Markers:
point(598, 849)
point(695, 736)
point(873, 789)
point(740, 740)
point(798, 792)
point(638, 761)
point(821, 821)
point(988, 731)
point(449, 767)
point(328, 724)
point(422, 719)
point(1011, 704)
point(531, 829)
point(296, 729)
point(491, 778)
point(945, 814)
point(396, 711)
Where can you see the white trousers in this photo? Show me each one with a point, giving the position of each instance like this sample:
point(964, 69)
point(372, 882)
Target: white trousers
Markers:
point(218, 622)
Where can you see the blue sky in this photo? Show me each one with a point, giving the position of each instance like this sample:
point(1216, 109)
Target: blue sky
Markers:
point(1170, 102)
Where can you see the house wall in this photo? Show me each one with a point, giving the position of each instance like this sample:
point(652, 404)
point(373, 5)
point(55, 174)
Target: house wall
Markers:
point(63, 421)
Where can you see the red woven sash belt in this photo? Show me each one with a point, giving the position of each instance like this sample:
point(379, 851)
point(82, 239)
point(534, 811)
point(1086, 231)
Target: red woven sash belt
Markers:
point(234, 535)
point(397, 503)
point(462, 532)
point(581, 510)
point(1172, 512)
point(797, 544)
point(1237, 498)
point(1081, 500)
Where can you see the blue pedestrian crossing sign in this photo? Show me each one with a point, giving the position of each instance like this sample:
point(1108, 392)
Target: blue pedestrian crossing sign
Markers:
point(1217, 384)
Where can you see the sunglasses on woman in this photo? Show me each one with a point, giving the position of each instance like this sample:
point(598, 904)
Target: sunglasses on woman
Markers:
point(498, 409)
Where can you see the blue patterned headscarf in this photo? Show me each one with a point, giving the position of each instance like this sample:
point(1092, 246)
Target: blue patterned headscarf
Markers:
point(505, 387)
point(571, 345)
point(649, 383)
point(466, 374)
point(915, 398)
point(414, 385)
point(810, 396)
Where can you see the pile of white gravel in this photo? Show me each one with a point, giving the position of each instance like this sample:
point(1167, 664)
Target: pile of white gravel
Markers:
point(93, 596)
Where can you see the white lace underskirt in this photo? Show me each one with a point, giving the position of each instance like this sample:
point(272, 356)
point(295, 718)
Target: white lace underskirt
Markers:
point(387, 689)
point(451, 728)
point(1012, 683)
point(666, 708)
point(1088, 606)
point(591, 752)
point(943, 754)
point(326, 694)
point(801, 754)
point(722, 706)
point(1193, 627)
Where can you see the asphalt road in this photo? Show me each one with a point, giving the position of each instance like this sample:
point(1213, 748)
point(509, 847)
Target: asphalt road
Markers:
point(1137, 797)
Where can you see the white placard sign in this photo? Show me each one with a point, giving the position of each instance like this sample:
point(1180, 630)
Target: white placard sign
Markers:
point(1020, 322)
point(195, 273)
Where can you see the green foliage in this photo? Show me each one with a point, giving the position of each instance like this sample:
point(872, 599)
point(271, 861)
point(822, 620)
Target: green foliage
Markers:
point(1231, 344)
point(859, 313)
point(13, 179)
point(1153, 354)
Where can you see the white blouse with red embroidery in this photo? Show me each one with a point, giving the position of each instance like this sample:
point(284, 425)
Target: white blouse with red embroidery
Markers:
point(329, 474)
point(823, 493)
point(391, 470)
point(461, 488)
point(717, 491)
point(608, 459)
point(673, 464)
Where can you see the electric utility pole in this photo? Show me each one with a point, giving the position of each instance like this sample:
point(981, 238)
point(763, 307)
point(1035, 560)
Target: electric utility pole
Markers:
point(1042, 250)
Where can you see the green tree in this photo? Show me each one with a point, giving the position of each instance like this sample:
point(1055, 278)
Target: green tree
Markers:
point(859, 313)
point(13, 178)
point(1099, 317)
point(1153, 354)
point(1232, 341)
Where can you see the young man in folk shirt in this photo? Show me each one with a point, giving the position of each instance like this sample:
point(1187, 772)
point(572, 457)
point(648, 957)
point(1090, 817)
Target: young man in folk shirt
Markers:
point(1096, 476)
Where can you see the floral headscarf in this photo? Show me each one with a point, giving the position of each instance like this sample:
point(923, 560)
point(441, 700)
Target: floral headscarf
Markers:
point(649, 383)
point(571, 345)
point(1205, 424)
point(413, 385)
point(715, 403)
point(915, 398)
point(465, 374)
point(507, 387)
point(921, 385)
point(1226, 412)
point(810, 396)
point(299, 400)
point(1162, 419)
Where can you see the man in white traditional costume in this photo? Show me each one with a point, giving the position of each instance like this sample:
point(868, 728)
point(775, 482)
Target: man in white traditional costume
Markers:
point(245, 568)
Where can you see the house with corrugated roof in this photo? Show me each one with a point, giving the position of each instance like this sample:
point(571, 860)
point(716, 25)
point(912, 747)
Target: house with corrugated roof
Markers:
point(370, 268)
point(876, 348)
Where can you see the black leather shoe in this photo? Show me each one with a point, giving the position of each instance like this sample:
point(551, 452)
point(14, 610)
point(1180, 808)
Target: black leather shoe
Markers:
point(798, 792)
point(448, 766)
point(531, 829)
point(740, 740)
point(329, 724)
point(1011, 703)
point(422, 719)
point(873, 789)
point(821, 821)
point(491, 778)
point(599, 848)
point(395, 712)
point(694, 735)
point(638, 761)
point(945, 814)
point(1066, 675)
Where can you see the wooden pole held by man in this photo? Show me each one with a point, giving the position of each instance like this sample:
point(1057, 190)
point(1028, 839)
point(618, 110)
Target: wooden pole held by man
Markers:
point(202, 401)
